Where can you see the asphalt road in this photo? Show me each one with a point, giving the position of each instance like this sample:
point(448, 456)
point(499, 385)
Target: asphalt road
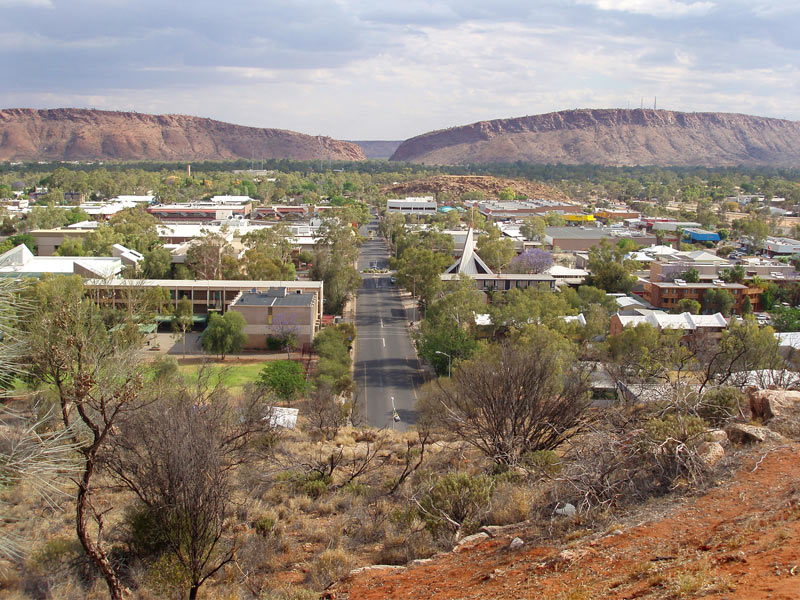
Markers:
point(386, 365)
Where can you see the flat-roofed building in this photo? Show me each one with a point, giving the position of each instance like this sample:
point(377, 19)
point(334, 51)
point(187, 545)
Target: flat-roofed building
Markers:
point(20, 262)
point(667, 294)
point(781, 246)
point(519, 209)
point(200, 212)
point(584, 238)
point(425, 205)
point(205, 295)
point(275, 312)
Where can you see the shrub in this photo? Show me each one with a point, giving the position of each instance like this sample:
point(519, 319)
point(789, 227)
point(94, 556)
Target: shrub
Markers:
point(274, 343)
point(285, 378)
point(264, 525)
point(545, 461)
point(57, 554)
point(143, 532)
point(456, 502)
point(329, 566)
point(720, 404)
point(511, 504)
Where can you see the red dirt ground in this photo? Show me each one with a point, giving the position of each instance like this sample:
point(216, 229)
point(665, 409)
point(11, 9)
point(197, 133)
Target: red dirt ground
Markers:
point(740, 540)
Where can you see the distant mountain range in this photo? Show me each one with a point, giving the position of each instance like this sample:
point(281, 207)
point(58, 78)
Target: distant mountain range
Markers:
point(614, 137)
point(81, 134)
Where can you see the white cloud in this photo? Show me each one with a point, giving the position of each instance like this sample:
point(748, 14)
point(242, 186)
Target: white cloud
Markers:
point(32, 3)
point(655, 8)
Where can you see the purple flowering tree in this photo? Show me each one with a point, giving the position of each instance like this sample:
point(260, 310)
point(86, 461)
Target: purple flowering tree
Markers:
point(531, 261)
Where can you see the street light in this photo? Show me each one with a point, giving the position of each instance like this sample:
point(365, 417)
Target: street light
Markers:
point(449, 360)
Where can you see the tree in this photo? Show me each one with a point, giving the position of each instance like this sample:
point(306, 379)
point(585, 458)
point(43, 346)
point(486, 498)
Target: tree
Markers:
point(747, 306)
point(688, 305)
point(157, 263)
point(691, 276)
point(179, 457)
point(259, 265)
point(718, 300)
point(533, 260)
point(136, 229)
point(756, 228)
point(533, 228)
point(225, 334)
point(554, 219)
point(183, 318)
point(513, 399)
point(49, 217)
point(420, 269)
point(609, 270)
point(507, 193)
point(71, 247)
point(333, 264)
point(284, 378)
point(205, 256)
point(97, 381)
point(496, 250)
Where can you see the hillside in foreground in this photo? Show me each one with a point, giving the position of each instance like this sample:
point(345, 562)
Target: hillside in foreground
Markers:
point(739, 540)
point(82, 134)
point(613, 137)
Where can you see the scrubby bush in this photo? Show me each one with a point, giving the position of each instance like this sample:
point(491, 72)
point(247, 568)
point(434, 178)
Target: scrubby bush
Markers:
point(456, 502)
point(719, 405)
point(329, 566)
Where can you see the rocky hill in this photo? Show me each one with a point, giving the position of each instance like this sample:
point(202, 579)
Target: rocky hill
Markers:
point(453, 186)
point(614, 137)
point(80, 134)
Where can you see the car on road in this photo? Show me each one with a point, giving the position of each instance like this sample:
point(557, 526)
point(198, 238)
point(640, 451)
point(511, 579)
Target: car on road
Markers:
point(393, 280)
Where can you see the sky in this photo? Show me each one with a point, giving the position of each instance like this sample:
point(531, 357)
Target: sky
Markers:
point(387, 69)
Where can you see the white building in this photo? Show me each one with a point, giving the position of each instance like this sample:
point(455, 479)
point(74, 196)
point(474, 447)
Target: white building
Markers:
point(412, 206)
point(20, 262)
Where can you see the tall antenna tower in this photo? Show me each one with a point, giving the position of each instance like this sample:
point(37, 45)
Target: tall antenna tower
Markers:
point(655, 98)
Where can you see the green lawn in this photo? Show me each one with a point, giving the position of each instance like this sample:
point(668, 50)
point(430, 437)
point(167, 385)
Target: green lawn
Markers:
point(232, 375)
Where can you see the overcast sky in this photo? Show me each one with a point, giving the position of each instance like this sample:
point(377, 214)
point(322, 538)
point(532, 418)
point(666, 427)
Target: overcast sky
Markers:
point(389, 69)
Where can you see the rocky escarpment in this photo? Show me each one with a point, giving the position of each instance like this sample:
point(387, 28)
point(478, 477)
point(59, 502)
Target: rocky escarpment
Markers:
point(614, 137)
point(80, 134)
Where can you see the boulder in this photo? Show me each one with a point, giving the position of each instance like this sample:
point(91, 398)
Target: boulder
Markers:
point(516, 544)
point(711, 452)
point(741, 433)
point(568, 510)
point(381, 568)
point(768, 404)
point(495, 530)
point(418, 562)
point(718, 435)
point(470, 540)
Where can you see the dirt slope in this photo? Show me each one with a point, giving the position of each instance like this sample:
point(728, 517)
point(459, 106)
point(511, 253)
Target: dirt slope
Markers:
point(613, 137)
point(741, 540)
point(79, 134)
point(455, 185)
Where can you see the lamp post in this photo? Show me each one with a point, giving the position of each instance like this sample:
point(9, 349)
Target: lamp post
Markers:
point(449, 360)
